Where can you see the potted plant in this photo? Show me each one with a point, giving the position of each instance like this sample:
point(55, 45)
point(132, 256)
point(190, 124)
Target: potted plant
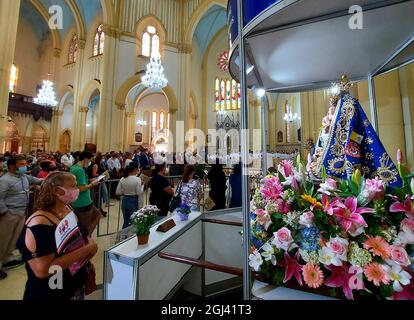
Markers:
point(142, 221)
point(183, 211)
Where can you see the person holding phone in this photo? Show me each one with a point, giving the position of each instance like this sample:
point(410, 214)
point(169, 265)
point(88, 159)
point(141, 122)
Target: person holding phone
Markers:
point(37, 243)
point(130, 188)
point(83, 204)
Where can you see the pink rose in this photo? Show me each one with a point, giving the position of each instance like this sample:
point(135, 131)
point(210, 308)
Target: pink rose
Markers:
point(374, 189)
point(400, 256)
point(306, 219)
point(339, 246)
point(283, 239)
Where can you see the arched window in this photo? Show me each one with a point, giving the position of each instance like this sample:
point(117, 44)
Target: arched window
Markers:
point(150, 42)
point(162, 121)
point(154, 124)
point(98, 42)
point(168, 121)
point(226, 95)
point(13, 78)
point(73, 49)
point(217, 94)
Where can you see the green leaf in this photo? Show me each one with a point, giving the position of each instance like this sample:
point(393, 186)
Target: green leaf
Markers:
point(323, 173)
point(354, 187)
point(386, 291)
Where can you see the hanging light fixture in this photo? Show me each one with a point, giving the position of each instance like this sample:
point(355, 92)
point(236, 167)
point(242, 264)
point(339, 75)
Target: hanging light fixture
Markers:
point(154, 77)
point(46, 96)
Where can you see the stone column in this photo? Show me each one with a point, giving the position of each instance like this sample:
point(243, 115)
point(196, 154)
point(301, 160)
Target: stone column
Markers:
point(55, 130)
point(82, 126)
point(129, 137)
point(108, 129)
point(183, 88)
point(78, 141)
point(118, 125)
point(9, 18)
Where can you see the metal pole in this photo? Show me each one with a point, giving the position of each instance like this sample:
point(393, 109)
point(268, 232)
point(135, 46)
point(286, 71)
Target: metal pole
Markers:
point(264, 136)
point(373, 103)
point(245, 157)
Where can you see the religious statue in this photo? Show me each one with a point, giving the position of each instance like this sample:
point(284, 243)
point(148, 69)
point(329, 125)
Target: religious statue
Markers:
point(347, 141)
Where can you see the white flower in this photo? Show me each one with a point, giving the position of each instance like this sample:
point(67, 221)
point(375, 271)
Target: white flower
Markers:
point(255, 261)
point(306, 219)
point(269, 253)
point(328, 257)
point(398, 276)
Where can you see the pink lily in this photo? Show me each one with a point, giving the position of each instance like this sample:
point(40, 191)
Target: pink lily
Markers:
point(286, 168)
point(406, 207)
point(272, 188)
point(327, 205)
point(293, 268)
point(340, 278)
point(349, 213)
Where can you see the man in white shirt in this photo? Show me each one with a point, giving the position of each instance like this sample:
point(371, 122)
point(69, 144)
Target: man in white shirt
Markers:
point(114, 164)
point(67, 160)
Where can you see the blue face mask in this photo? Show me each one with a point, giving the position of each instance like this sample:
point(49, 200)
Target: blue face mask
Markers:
point(22, 170)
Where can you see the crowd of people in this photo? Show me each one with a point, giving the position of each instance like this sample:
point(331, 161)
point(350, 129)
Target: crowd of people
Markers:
point(72, 183)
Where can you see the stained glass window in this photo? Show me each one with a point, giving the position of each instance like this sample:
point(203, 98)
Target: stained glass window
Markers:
point(146, 44)
point(150, 42)
point(13, 78)
point(162, 121)
point(226, 95)
point(98, 43)
point(154, 125)
point(155, 49)
point(73, 49)
point(217, 95)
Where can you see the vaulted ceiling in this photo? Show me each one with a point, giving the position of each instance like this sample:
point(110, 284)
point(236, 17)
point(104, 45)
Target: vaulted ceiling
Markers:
point(212, 22)
point(82, 11)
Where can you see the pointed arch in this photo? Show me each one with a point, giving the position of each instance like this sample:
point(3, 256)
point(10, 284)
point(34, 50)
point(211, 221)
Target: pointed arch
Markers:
point(108, 12)
point(89, 89)
point(141, 27)
point(126, 87)
point(80, 23)
point(45, 15)
point(198, 14)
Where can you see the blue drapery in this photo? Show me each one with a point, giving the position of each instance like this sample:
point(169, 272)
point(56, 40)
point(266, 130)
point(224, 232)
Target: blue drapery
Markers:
point(354, 144)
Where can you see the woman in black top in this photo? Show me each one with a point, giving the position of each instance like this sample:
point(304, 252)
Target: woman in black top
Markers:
point(38, 246)
point(217, 179)
point(161, 191)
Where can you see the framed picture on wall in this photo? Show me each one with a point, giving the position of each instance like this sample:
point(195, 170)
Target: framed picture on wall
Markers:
point(280, 137)
point(138, 137)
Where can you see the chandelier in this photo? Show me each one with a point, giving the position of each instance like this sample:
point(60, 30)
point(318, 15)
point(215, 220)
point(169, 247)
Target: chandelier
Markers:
point(46, 96)
point(291, 117)
point(154, 77)
point(142, 123)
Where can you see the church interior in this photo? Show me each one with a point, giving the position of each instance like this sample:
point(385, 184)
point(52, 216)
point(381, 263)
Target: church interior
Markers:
point(96, 58)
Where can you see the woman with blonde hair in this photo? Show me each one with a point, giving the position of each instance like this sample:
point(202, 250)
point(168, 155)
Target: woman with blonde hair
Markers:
point(38, 246)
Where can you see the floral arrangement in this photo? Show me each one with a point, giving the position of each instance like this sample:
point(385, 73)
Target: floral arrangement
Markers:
point(144, 219)
point(351, 238)
point(184, 211)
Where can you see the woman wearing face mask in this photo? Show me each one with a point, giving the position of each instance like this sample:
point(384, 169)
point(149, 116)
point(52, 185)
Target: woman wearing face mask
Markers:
point(38, 247)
